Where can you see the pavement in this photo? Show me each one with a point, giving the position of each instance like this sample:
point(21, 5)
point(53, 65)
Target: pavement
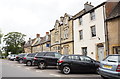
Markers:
point(12, 69)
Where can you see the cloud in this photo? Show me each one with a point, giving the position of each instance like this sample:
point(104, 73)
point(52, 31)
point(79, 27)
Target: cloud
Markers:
point(36, 16)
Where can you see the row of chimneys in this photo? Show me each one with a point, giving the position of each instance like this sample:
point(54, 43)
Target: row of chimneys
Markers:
point(38, 35)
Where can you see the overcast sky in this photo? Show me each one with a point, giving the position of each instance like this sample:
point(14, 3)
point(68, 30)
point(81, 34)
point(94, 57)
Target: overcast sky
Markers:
point(36, 16)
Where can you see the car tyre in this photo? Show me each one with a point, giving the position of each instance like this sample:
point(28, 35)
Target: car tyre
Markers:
point(29, 63)
point(42, 65)
point(66, 70)
point(20, 61)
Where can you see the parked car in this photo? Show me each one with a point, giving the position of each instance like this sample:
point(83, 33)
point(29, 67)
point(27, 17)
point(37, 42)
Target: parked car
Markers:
point(28, 59)
point(20, 57)
point(44, 59)
point(110, 67)
point(77, 63)
point(13, 57)
point(8, 57)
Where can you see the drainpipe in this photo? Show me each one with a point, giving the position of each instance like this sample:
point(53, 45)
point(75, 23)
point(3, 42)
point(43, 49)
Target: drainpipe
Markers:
point(106, 32)
point(73, 34)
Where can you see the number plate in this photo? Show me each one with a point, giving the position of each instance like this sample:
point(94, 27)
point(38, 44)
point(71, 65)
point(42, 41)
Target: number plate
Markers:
point(106, 66)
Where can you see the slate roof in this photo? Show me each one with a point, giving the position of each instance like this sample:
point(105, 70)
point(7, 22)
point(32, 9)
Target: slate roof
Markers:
point(29, 43)
point(115, 12)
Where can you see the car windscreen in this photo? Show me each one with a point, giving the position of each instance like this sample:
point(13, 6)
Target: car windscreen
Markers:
point(112, 59)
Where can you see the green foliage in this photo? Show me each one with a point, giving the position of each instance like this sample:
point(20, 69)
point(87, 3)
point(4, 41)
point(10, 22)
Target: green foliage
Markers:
point(0, 36)
point(14, 42)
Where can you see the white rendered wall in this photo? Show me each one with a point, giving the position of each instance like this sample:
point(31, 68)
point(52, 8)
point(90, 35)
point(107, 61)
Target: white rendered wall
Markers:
point(89, 41)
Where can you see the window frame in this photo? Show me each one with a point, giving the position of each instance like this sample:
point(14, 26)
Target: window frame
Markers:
point(84, 53)
point(93, 31)
point(92, 15)
point(81, 34)
point(80, 20)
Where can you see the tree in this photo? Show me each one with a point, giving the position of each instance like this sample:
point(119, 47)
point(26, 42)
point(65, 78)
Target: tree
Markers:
point(0, 36)
point(14, 42)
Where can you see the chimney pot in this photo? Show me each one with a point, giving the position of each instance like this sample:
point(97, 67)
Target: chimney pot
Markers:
point(47, 33)
point(37, 35)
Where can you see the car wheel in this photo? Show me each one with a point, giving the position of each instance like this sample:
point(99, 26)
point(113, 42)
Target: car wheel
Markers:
point(41, 65)
point(20, 61)
point(66, 70)
point(14, 59)
point(29, 63)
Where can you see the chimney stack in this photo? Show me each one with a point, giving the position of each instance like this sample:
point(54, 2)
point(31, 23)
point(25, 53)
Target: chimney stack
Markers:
point(88, 6)
point(61, 19)
point(37, 35)
point(47, 33)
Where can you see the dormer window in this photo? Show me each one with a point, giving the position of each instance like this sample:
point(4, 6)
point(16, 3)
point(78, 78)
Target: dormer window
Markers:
point(92, 15)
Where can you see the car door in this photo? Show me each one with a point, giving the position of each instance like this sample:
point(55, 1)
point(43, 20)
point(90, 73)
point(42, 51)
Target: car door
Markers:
point(76, 64)
point(50, 59)
point(88, 64)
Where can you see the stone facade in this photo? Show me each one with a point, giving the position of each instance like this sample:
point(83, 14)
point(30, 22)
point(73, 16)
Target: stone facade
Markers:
point(55, 37)
point(62, 35)
point(67, 35)
point(113, 26)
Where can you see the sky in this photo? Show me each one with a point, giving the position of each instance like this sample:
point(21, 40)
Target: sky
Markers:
point(32, 17)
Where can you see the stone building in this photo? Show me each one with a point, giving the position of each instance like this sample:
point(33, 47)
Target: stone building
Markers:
point(55, 37)
point(28, 46)
point(113, 29)
point(45, 42)
point(62, 35)
point(66, 36)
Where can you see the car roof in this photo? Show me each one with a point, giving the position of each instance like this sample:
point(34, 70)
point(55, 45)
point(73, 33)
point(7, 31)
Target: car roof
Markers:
point(73, 55)
point(114, 55)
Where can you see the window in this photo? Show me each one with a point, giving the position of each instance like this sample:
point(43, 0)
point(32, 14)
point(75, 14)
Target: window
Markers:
point(66, 50)
point(81, 34)
point(57, 55)
point(74, 57)
point(50, 54)
point(80, 21)
point(92, 15)
point(84, 51)
point(41, 54)
point(65, 33)
point(93, 31)
point(85, 59)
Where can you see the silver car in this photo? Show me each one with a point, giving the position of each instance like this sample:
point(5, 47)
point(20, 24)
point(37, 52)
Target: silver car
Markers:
point(110, 67)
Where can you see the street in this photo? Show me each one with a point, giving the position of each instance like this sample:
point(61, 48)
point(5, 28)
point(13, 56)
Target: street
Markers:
point(14, 69)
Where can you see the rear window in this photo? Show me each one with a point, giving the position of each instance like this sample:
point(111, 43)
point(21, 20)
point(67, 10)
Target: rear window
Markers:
point(112, 59)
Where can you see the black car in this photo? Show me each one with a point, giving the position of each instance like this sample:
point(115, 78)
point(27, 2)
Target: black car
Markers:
point(28, 59)
point(44, 59)
point(77, 63)
point(20, 57)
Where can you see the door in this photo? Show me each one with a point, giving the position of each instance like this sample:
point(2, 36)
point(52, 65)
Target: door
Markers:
point(100, 53)
point(87, 64)
point(50, 59)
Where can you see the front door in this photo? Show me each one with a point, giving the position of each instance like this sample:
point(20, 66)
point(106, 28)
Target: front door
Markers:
point(100, 53)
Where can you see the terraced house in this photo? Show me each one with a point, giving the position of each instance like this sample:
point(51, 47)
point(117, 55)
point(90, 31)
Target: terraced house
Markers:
point(113, 27)
point(91, 32)
point(62, 35)
point(41, 44)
